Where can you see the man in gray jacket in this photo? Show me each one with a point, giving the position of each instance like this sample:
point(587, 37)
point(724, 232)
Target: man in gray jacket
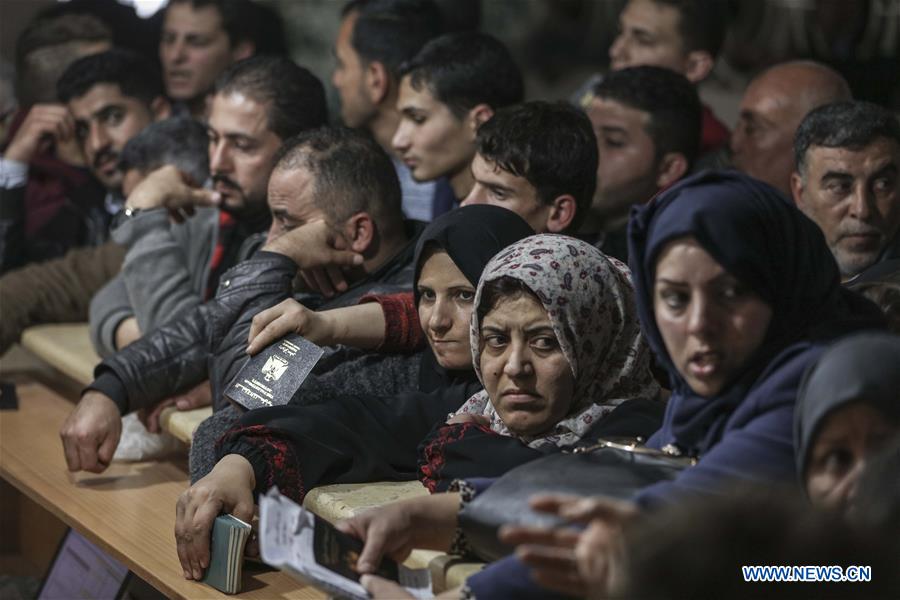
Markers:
point(171, 268)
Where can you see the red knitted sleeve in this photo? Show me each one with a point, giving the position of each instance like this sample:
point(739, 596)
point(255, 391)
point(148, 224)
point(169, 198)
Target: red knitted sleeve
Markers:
point(402, 330)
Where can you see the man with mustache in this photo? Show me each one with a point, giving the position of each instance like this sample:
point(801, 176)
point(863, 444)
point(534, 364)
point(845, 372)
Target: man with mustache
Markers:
point(49, 202)
point(335, 200)
point(848, 182)
point(171, 268)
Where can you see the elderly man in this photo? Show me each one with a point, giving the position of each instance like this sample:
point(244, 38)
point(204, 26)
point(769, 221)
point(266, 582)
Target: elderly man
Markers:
point(848, 182)
point(771, 109)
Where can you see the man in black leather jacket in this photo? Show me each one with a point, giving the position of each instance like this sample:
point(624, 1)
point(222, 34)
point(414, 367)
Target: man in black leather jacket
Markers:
point(335, 202)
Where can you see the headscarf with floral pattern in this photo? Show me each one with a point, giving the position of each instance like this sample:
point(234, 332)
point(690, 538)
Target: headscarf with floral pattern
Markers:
point(589, 300)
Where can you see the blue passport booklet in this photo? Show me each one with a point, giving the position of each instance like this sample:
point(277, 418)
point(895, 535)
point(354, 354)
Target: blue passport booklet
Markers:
point(273, 376)
point(229, 536)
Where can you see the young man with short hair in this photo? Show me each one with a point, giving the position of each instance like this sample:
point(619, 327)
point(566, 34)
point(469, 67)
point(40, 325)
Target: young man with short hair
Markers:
point(452, 86)
point(199, 40)
point(682, 35)
point(647, 123)
point(375, 38)
point(109, 98)
point(848, 182)
point(539, 160)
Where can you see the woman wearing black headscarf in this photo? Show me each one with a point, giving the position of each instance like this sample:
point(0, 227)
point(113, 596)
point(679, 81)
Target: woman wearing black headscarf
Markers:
point(849, 406)
point(357, 438)
point(468, 238)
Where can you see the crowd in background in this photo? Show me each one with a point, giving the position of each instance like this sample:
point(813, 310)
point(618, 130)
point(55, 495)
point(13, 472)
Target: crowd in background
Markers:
point(503, 286)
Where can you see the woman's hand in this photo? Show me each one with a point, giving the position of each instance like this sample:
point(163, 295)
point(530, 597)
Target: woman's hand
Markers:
point(289, 316)
point(227, 489)
point(469, 418)
point(395, 529)
point(386, 530)
point(568, 560)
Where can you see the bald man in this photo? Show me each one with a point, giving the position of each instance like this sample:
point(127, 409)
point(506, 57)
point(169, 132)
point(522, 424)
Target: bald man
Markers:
point(772, 108)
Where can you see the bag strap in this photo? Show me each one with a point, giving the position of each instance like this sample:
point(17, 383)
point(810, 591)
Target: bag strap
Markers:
point(636, 446)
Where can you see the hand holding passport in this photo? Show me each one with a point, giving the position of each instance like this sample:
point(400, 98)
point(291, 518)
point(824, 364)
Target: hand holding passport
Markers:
point(272, 377)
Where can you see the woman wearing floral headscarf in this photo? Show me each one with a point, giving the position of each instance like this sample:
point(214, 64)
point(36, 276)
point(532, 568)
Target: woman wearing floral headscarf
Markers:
point(557, 344)
point(737, 295)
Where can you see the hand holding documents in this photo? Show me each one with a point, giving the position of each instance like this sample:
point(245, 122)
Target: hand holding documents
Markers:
point(294, 539)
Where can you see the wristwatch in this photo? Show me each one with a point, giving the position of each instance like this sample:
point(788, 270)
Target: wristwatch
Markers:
point(126, 214)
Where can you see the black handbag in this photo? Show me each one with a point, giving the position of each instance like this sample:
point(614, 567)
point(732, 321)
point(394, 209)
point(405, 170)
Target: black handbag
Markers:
point(608, 468)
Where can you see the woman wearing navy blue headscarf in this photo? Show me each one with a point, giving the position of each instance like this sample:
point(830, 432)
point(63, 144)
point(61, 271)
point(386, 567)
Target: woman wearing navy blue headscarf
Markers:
point(738, 295)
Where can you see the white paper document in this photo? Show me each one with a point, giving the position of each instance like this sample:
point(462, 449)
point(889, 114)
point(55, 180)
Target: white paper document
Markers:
point(296, 540)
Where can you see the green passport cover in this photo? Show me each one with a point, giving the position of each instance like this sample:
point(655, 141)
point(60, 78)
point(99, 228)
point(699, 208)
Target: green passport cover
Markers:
point(229, 536)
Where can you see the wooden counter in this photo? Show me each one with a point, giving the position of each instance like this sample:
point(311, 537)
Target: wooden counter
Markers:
point(129, 511)
point(67, 347)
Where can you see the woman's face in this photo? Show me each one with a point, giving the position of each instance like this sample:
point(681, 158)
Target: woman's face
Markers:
point(525, 373)
point(711, 323)
point(446, 300)
point(838, 454)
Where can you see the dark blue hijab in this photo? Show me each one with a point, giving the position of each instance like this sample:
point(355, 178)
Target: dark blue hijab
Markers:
point(763, 240)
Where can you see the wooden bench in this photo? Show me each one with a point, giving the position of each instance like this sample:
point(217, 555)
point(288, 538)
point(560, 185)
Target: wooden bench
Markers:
point(336, 502)
point(67, 348)
point(129, 510)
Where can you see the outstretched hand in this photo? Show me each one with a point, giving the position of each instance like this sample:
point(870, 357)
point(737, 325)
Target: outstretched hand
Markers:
point(227, 489)
point(568, 560)
point(288, 316)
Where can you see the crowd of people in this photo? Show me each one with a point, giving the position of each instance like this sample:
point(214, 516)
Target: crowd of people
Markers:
point(496, 282)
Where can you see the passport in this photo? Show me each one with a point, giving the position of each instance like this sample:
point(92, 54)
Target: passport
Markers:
point(226, 558)
point(273, 376)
